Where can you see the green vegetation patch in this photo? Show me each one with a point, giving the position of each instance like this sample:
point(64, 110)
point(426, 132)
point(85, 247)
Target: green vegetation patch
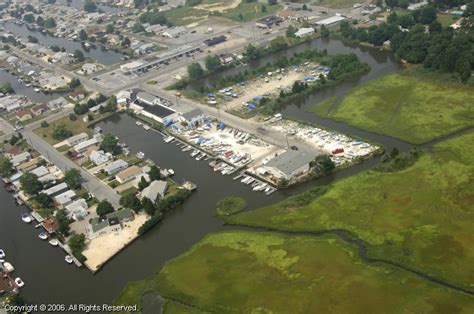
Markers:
point(76, 127)
point(246, 12)
point(421, 217)
point(446, 19)
point(230, 205)
point(271, 273)
point(322, 108)
point(336, 3)
point(407, 106)
point(185, 15)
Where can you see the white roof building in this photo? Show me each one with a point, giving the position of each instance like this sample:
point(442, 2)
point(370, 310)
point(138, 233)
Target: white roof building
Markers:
point(331, 20)
point(156, 190)
point(76, 139)
point(40, 171)
point(65, 198)
point(18, 159)
point(98, 157)
point(77, 210)
point(116, 166)
point(83, 146)
point(302, 32)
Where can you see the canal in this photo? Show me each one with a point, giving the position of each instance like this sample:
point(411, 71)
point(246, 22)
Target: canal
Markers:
point(21, 89)
point(99, 54)
point(49, 279)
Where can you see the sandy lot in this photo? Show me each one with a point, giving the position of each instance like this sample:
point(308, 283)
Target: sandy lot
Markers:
point(219, 6)
point(101, 249)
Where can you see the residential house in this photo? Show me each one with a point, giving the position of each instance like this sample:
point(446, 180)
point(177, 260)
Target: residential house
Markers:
point(128, 174)
point(77, 96)
point(50, 224)
point(77, 210)
point(28, 165)
point(12, 151)
point(174, 32)
point(98, 157)
point(83, 146)
point(138, 178)
point(20, 158)
point(116, 166)
point(113, 222)
point(23, 115)
point(40, 171)
point(194, 117)
point(39, 109)
point(56, 189)
point(65, 198)
point(289, 164)
point(76, 139)
point(155, 191)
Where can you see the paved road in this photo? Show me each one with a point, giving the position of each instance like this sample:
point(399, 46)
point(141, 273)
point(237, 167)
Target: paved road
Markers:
point(91, 183)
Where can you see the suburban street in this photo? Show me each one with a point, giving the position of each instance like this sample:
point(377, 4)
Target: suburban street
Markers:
point(91, 183)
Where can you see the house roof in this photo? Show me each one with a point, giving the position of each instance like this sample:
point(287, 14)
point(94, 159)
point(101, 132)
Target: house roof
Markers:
point(192, 114)
point(39, 107)
point(50, 224)
point(40, 171)
point(22, 113)
point(115, 165)
point(120, 215)
point(290, 161)
point(129, 172)
point(65, 197)
point(155, 188)
point(13, 150)
point(55, 189)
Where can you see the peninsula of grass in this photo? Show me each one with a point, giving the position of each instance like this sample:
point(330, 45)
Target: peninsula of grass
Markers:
point(410, 106)
point(322, 108)
point(246, 272)
point(421, 217)
point(230, 205)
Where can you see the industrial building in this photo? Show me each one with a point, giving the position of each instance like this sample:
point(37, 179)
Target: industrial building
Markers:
point(268, 22)
point(331, 20)
point(289, 164)
point(215, 40)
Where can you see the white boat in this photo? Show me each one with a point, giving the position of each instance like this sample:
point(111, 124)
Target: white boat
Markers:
point(187, 149)
point(250, 181)
point(43, 235)
point(138, 123)
point(194, 153)
point(19, 282)
point(200, 156)
point(171, 171)
point(54, 242)
point(260, 187)
point(8, 267)
point(146, 127)
point(68, 259)
point(169, 139)
point(268, 189)
point(244, 180)
point(2, 254)
point(26, 218)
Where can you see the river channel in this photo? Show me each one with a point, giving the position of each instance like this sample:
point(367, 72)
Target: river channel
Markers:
point(50, 280)
point(99, 54)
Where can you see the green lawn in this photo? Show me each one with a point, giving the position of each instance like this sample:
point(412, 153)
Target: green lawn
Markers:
point(250, 11)
point(446, 19)
point(76, 127)
point(421, 217)
point(185, 15)
point(322, 108)
point(408, 106)
point(245, 272)
point(336, 3)
point(230, 205)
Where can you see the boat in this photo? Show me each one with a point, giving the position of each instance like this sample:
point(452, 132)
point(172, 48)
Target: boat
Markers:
point(26, 218)
point(43, 235)
point(200, 156)
point(19, 282)
point(146, 127)
point(2, 254)
point(54, 242)
point(260, 187)
point(187, 149)
point(8, 267)
point(169, 139)
point(268, 189)
point(194, 153)
point(68, 259)
point(37, 90)
point(138, 123)
point(171, 171)
point(244, 180)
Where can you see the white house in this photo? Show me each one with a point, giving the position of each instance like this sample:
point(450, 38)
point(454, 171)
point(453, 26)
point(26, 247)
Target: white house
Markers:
point(116, 166)
point(77, 210)
point(98, 157)
point(304, 31)
point(20, 158)
point(76, 139)
point(65, 198)
point(194, 117)
point(113, 222)
point(155, 191)
point(83, 146)
point(289, 164)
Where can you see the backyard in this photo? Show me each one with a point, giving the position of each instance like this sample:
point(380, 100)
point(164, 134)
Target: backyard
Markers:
point(250, 272)
point(410, 106)
point(425, 225)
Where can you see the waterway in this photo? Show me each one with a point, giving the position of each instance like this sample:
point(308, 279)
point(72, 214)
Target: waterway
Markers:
point(49, 279)
point(100, 54)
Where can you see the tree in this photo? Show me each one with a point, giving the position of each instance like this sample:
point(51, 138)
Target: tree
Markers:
point(195, 71)
point(90, 6)
point(394, 153)
point(435, 27)
point(50, 23)
point(77, 243)
point(304, 7)
point(6, 166)
point(143, 184)
point(323, 165)
point(78, 55)
point(82, 35)
point(104, 208)
point(72, 116)
point(40, 20)
point(55, 48)
point(74, 83)
point(30, 183)
point(272, 2)
point(324, 31)
point(137, 28)
point(148, 206)
point(32, 39)
point(109, 29)
point(290, 31)
point(61, 132)
point(73, 178)
point(110, 144)
point(131, 201)
point(63, 222)
point(6, 88)
point(154, 173)
point(264, 8)
point(111, 104)
point(80, 109)
point(125, 42)
point(45, 201)
point(29, 18)
point(213, 63)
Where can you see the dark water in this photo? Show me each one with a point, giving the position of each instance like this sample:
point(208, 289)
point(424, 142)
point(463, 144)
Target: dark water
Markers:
point(99, 54)
point(21, 89)
point(49, 279)
point(381, 63)
point(79, 4)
